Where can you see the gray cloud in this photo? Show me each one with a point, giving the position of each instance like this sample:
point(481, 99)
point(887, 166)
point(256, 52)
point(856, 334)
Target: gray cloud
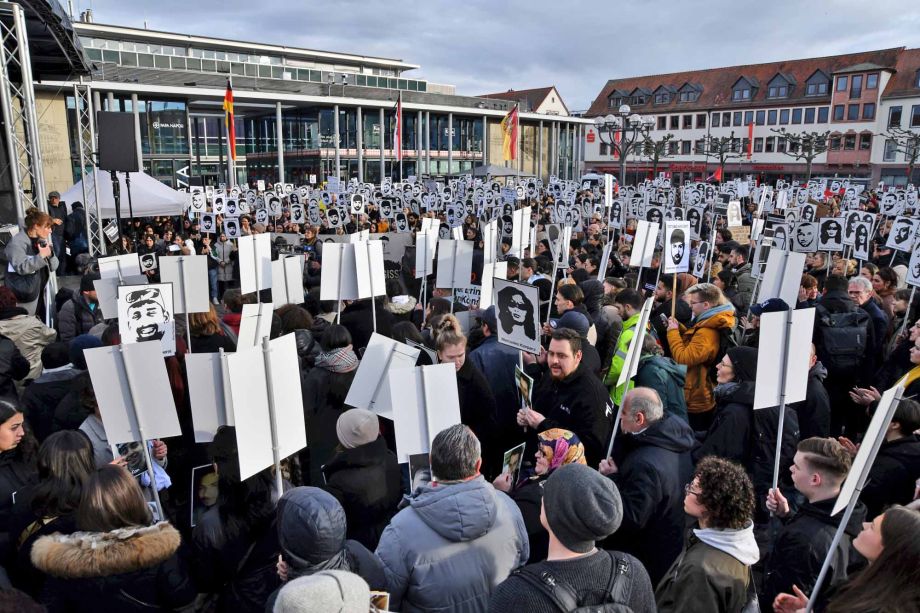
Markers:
point(484, 46)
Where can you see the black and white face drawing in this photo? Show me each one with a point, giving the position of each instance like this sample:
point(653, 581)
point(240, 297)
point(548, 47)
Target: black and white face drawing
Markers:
point(402, 222)
point(314, 216)
point(261, 216)
point(780, 236)
point(853, 218)
point(232, 207)
point(232, 228)
point(654, 214)
point(808, 212)
point(444, 231)
point(903, 231)
point(830, 234)
point(357, 204)
point(333, 217)
point(806, 237)
point(198, 201)
point(616, 214)
point(297, 213)
point(695, 197)
point(274, 206)
point(861, 241)
point(207, 223)
point(218, 206)
point(699, 264)
point(695, 217)
point(678, 247)
point(148, 262)
point(913, 269)
point(146, 314)
point(516, 315)
point(792, 216)
point(386, 208)
point(889, 204)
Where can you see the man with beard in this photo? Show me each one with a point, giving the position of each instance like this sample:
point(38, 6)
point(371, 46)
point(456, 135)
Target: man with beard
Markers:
point(146, 315)
point(568, 396)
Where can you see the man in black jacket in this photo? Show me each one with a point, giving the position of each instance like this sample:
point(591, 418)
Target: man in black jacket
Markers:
point(800, 547)
point(568, 396)
point(81, 313)
point(814, 412)
point(651, 464)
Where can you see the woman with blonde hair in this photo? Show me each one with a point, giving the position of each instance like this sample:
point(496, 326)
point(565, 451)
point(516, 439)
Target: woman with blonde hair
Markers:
point(207, 334)
point(31, 261)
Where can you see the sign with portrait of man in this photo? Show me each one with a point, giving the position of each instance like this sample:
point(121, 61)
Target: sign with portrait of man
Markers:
point(207, 225)
point(517, 310)
point(145, 313)
point(232, 227)
point(903, 231)
point(676, 247)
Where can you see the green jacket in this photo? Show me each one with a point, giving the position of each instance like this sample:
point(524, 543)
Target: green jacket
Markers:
point(619, 360)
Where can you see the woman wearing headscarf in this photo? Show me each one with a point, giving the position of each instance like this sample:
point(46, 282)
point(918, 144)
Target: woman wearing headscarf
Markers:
point(556, 447)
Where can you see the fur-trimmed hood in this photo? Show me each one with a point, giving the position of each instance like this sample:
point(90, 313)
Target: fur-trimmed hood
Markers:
point(99, 554)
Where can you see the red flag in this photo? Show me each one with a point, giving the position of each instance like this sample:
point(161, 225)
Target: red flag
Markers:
point(718, 174)
point(397, 129)
point(228, 112)
point(750, 145)
point(615, 148)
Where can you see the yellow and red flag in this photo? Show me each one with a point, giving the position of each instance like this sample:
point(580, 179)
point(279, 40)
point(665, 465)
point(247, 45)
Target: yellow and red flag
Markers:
point(510, 127)
point(228, 110)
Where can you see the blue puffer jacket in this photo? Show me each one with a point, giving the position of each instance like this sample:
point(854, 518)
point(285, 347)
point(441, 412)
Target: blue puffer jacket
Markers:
point(451, 547)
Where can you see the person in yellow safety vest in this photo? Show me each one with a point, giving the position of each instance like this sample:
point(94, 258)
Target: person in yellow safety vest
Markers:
point(628, 304)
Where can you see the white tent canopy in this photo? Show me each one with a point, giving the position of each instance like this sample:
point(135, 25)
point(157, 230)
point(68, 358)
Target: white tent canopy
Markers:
point(149, 197)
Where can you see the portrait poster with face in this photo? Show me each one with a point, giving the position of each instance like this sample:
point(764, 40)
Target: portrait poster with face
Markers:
point(334, 217)
point(903, 231)
point(145, 313)
point(616, 213)
point(148, 262)
point(401, 223)
point(913, 269)
point(699, 262)
point(197, 202)
point(219, 204)
point(695, 216)
point(232, 207)
point(830, 234)
point(262, 216)
point(862, 231)
point(208, 225)
point(891, 205)
point(273, 204)
point(204, 491)
point(297, 214)
point(781, 236)
point(808, 212)
point(232, 227)
point(805, 237)
point(733, 216)
point(358, 204)
point(676, 247)
point(654, 214)
point(849, 228)
point(517, 308)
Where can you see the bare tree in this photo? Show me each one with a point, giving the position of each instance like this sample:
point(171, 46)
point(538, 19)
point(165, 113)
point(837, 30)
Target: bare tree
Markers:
point(906, 142)
point(804, 146)
point(721, 149)
point(656, 149)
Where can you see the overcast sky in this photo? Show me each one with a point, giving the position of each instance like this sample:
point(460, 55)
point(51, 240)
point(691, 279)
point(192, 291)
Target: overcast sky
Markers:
point(486, 46)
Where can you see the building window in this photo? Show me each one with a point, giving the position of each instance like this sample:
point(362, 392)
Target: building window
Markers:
point(688, 122)
point(796, 116)
point(842, 84)
point(736, 118)
point(758, 145)
point(865, 141)
point(835, 143)
point(852, 112)
point(749, 117)
point(701, 120)
point(891, 150)
point(915, 116)
point(662, 123)
point(736, 145)
point(699, 146)
point(761, 117)
point(809, 115)
point(768, 144)
point(822, 114)
point(816, 89)
point(663, 98)
point(771, 118)
point(894, 117)
point(849, 142)
point(742, 94)
point(675, 122)
point(778, 91)
point(674, 147)
point(869, 111)
point(685, 147)
point(726, 119)
point(839, 112)
point(689, 96)
point(872, 81)
point(604, 149)
point(780, 144)
point(784, 116)
point(716, 117)
point(856, 86)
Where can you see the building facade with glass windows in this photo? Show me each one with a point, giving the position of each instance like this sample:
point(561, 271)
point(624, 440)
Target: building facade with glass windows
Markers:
point(298, 112)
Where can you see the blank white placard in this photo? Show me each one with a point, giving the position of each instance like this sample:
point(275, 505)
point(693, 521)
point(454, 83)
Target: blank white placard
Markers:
point(339, 276)
point(770, 357)
point(255, 257)
point(371, 374)
point(130, 265)
point(255, 323)
point(250, 410)
point(455, 264)
point(194, 278)
point(288, 400)
point(207, 395)
point(644, 243)
point(782, 276)
point(369, 271)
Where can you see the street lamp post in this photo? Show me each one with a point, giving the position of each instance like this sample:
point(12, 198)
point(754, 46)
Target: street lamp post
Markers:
point(623, 134)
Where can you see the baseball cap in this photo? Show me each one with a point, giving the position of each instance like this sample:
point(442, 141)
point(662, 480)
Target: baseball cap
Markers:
point(572, 320)
point(773, 305)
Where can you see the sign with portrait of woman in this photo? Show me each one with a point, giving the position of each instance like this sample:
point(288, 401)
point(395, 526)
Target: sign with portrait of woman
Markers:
point(517, 306)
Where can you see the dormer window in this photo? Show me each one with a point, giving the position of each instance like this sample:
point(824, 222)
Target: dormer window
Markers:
point(780, 86)
point(817, 84)
point(689, 93)
point(741, 93)
point(778, 91)
point(663, 98)
point(743, 89)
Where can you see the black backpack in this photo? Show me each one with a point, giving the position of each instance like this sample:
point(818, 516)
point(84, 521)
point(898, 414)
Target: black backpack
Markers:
point(566, 599)
point(842, 339)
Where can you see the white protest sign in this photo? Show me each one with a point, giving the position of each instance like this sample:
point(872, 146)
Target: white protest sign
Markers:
point(644, 243)
point(371, 276)
point(734, 214)
point(772, 355)
point(128, 263)
point(520, 231)
point(455, 264)
point(133, 392)
point(107, 292)
point(339, 276)
point(517, 308)
point(426, 243)
point(287, 280)
point(189, 277)
point(782, 277)
point(250, 388)
point(370, 388)
point(677, 246)
point(490, 272)
point(903, 231)
point(145, 314)
point(424, 401)
point(209, 394)
point(255, 324)
point(255, 261)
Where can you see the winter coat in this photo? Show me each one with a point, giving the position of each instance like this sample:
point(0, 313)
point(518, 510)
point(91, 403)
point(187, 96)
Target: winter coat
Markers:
point(323, 394)
point(893, 475)
point(77, 317)
point(402, 311)
point(223, 251)
point(529, 498)
point(746, 284)
point(357, 318)
point(713, 573)
point(129, 569)
point(30, 335)
point(801, 546)
point(682, 313)
point(814, 412)
point(879, 321)
point(497, 363)
point(367, 482)
point(15, 476)
point(697, 347)
point(13, 367)
point(240, 569)
point(307, 348)
point(94, 430)
point(666, 377)
point(233, 321)
point(211, 343)
point(477, 410)
point(653, 468)
point(451, 546)
point(24, 261)
point(577, 403)
point(614, 324)
point(41, 399)
point(618, 362)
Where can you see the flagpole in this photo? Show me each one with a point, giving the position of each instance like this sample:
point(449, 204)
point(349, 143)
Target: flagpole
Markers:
point(399, 128)
point(231, 136)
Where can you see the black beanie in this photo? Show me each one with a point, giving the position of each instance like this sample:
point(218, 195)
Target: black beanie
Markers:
point(744, 363)
point(582, 506)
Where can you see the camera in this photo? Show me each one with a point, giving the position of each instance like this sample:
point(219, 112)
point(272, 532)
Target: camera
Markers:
point(42, 243)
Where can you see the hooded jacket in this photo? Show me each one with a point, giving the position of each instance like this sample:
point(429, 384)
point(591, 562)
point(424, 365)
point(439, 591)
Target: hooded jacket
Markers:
point(697, 347)
point(801, 546)
point(13, 367)
point(666, 377)
point(746, 283)
point(712, 574)
point(16, 475)
point(366, 481)
point(323, 394)
point(129, 569)
point(30, 335)
point(451, 546)
point(77, 317)
point(814, 412)
point(654, 465)
point(893, 475)
point(42, 397)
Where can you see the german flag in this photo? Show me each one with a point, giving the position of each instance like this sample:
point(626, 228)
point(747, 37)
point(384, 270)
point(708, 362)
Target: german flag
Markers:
point(228, 110)
point(510, 128)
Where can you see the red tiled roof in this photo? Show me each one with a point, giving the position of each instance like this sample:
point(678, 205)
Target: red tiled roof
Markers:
point(530, 98)
point(904, 81)
point(717, 82)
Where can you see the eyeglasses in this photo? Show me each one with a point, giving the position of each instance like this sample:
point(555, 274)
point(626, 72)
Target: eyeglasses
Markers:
point(688, 491)
point(695, 303)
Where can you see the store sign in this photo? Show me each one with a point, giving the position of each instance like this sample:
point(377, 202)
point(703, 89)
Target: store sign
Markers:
point(167, 120)
point(590, 137)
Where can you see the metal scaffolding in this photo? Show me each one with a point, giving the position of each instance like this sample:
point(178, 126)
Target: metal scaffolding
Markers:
point(17, 102)
point(86, 145)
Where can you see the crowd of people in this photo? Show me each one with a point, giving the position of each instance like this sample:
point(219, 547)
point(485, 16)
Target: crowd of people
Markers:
point(682, 515)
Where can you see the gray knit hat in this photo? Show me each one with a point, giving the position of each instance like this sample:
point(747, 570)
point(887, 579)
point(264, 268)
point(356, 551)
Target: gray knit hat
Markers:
point(356, 427)
point(328, 591)
point(582, 506)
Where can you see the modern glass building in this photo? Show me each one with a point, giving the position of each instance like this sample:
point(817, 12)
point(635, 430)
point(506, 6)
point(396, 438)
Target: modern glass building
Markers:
point(299, 113)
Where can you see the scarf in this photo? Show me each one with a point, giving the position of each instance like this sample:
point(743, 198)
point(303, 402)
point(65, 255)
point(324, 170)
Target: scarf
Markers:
point(561, 447)
point(724, 390)
point(722, 308)
point(301, 568)
point(338, 360)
